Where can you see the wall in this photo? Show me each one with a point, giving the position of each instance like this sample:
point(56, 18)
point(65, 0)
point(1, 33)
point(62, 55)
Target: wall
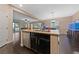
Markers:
point(63, 24)
point(10, 23)
point(76, 16)
point(6, 19)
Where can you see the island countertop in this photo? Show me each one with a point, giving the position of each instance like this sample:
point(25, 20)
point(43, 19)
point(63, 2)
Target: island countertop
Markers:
point(54, 32)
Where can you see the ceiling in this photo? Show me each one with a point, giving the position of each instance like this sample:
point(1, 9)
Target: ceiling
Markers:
point(20, 16)
point(47, 11)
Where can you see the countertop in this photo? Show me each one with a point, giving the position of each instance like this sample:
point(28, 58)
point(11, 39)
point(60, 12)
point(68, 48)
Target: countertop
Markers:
point(53, 32)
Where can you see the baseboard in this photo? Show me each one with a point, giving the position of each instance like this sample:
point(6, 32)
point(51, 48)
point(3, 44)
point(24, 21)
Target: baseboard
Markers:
point(6, 43)
point(9, 41)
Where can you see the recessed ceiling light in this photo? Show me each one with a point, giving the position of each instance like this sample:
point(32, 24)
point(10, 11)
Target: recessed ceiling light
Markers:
point(20, 5)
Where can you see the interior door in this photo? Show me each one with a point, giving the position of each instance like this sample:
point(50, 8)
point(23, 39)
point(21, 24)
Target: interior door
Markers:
point(3, 28)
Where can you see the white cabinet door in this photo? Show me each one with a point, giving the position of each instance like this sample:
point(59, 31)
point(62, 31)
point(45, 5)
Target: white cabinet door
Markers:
point(26, 39)
point(3, 28)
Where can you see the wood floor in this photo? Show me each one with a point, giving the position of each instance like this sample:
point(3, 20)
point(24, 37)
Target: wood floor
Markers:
point(14, 47)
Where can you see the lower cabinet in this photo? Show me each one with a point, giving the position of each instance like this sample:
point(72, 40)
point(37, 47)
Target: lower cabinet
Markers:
point(40, 43)
point(26, 39)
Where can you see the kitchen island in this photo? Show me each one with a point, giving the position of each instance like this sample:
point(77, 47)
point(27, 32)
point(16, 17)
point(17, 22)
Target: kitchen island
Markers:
point(27, 37)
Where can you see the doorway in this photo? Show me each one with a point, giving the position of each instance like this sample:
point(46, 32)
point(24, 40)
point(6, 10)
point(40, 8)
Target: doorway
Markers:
point(18, 23)
point(16, 31)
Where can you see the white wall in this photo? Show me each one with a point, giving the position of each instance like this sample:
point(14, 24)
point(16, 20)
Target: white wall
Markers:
point(6, 19)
